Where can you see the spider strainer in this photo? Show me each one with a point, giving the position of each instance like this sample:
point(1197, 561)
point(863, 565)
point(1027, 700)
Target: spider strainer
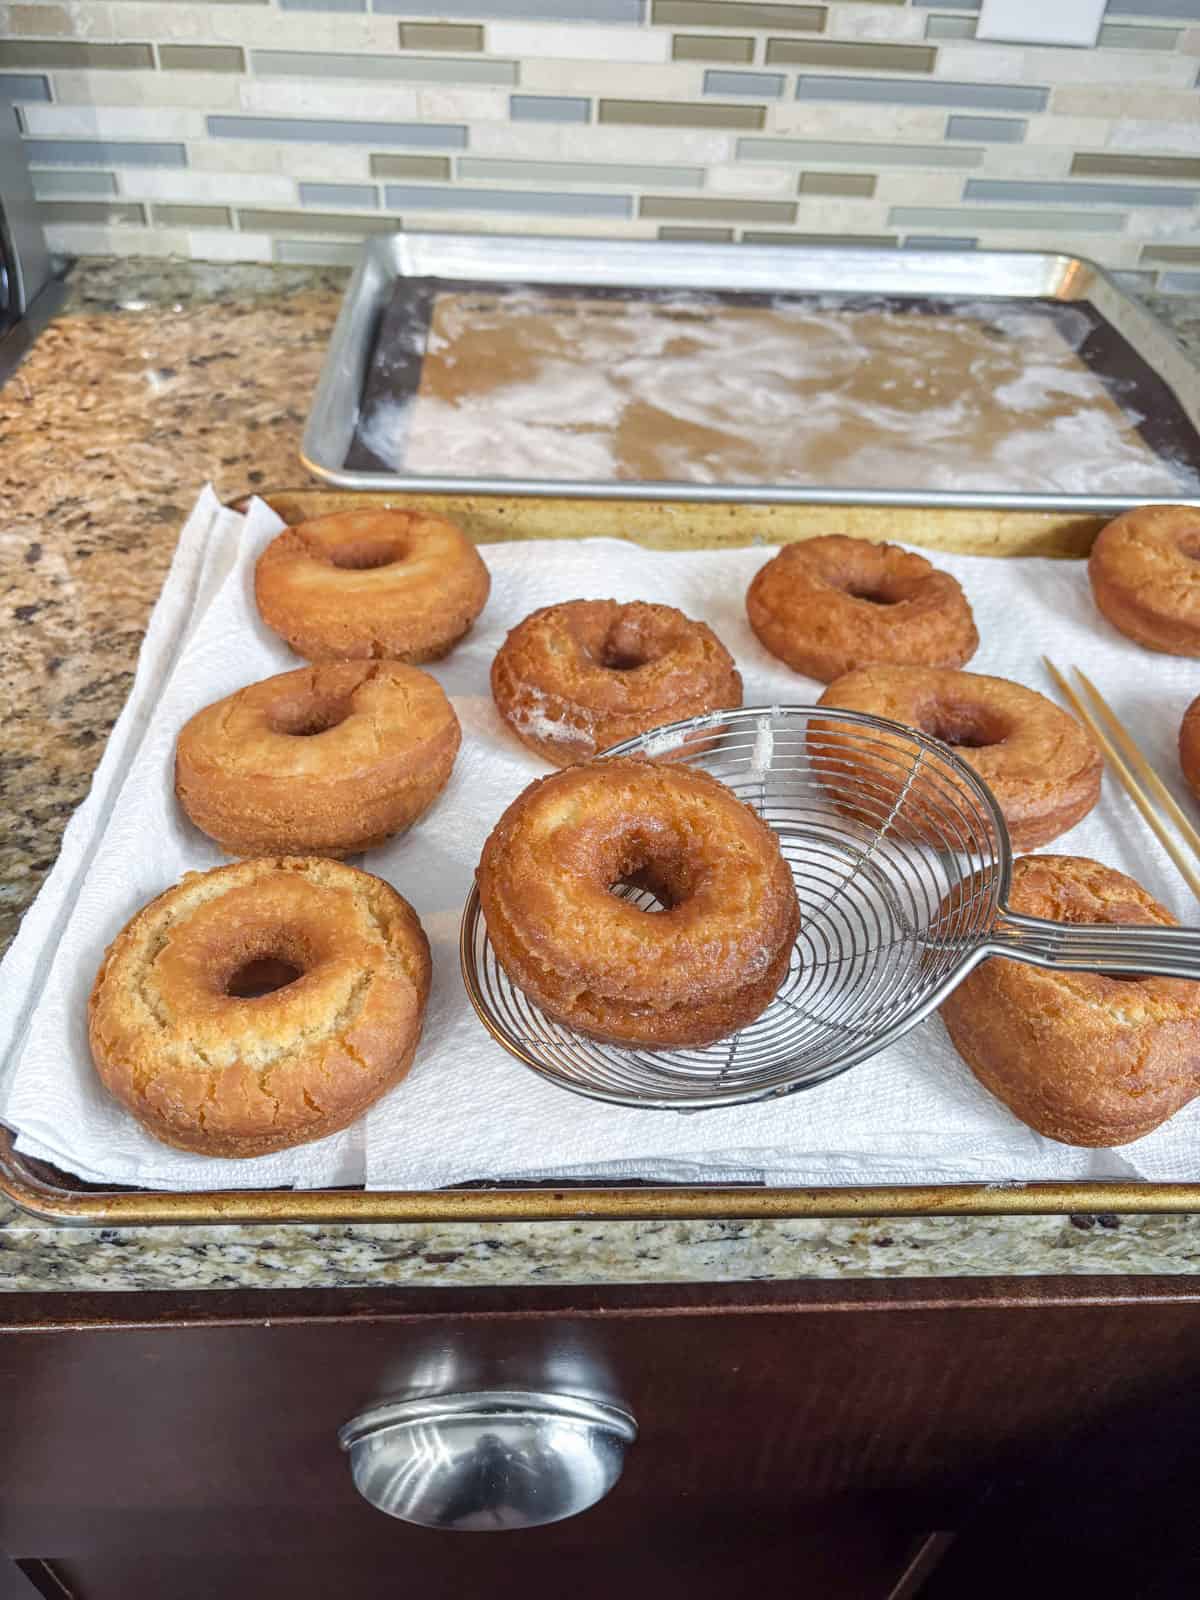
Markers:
point(901, 862)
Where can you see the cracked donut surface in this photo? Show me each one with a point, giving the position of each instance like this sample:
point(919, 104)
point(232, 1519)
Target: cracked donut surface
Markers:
point(1145, 575)
point(323, 761)
point(575, 678)
point(182, 1036)
point(827, 605)
point(1081, 1057)
point(703, 966)
point(371, 585)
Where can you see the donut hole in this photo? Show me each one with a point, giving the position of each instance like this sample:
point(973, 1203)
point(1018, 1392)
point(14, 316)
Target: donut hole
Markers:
point(964, 726)
point(364, 555)
point(261, 975)
point(651, 878)
point(304, 719)
point(876, 594)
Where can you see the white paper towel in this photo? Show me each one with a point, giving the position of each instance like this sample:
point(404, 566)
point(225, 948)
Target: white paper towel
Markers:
point(912, 1114)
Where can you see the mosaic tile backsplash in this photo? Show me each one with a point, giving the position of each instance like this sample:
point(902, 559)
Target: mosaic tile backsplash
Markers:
point(285, 130)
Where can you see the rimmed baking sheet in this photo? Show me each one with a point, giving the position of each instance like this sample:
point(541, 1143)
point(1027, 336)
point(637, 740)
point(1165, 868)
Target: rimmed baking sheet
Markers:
point(55, 1196)
point(696, 371)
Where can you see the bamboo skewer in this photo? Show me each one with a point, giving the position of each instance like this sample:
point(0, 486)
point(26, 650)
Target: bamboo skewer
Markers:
point(1127, 779)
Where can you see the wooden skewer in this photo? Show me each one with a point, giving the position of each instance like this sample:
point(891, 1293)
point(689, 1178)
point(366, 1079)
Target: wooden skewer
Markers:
point(1141, 766)
point(1127, 779)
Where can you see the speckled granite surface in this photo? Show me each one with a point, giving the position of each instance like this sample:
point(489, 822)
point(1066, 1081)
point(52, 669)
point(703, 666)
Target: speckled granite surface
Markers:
point(155, 377)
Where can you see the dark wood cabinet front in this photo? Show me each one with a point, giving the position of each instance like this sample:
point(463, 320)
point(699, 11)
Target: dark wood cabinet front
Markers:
point(807, 1434)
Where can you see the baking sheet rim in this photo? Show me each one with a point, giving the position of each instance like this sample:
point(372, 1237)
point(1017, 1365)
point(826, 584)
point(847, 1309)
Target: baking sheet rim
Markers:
point(342, 372)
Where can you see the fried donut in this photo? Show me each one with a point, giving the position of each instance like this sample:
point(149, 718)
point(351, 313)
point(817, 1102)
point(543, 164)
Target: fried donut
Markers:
point(260, 1005)
point(371, 585)
point(1081, 1058)
point(829, 605)
point(705, 965)
point(323, 761)
point(1041, 765)
point(575, 678)
point(1145, 575)
point(1189, 746)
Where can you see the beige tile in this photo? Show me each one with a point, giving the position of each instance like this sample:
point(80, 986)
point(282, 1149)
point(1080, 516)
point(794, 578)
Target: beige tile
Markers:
point(1143, 136)
point(64, 53)
point(91, 239)
point(1172, 254)
point(981, 63)
point(293, 97)
point(711, 47)
point(1022, 161)
point(436, 104)
point(440, 36)
point(1142, 67)
point(105, 212)
point(194, 216)
point(576, 42)
point(113, 122)
point(899, 186)
point(669, 114)
point(225, 187)
point(1100, 100)
point(219, 244)
point(1109, 164)
point(857, 57)
point(673, 207)
point(249, 26)
point(258, 221)
point(688, 146)
point(710, 235)
point(858, 184)
point(201, 58)
point(669, 80)
point(551, 227)
point(735, 14)
point(833, 213)
point(833, 236)
point(389, 166)
point(256, 160)
point(1048, 128)
point(1189, 43)
point(195, 90)
point(831, 120)
point(895, 21)
point(751, 178)
point(46, 21)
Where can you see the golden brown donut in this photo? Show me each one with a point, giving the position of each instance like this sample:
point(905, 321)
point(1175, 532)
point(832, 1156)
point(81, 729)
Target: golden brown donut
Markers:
point(1081, 1058)
point(828, 605)
point(260, 1005)
point(1189, 746)
point(704, 966)
point(1040, 764)
point(323, 761)
point(371, 585)
point(1145, 575)
point(577, 677)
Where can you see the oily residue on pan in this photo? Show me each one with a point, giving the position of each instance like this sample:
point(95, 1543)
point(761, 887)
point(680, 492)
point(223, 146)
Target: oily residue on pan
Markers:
point(985, 395)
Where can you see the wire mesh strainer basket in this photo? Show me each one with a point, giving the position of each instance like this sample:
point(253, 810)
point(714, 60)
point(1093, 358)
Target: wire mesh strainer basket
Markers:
point(901, 862)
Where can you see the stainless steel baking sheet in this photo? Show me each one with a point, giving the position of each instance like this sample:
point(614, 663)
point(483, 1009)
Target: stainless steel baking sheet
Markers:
point(1131, 368)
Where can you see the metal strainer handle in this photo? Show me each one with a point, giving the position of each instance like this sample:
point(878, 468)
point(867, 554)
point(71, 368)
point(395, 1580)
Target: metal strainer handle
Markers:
point(1133, 949)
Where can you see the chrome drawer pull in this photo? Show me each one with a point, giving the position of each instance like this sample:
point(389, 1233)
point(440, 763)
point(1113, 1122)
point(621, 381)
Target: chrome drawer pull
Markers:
point(487, 1462)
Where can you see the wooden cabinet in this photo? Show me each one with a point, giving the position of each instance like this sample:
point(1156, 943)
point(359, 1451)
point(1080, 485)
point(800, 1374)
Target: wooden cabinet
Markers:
point(805, 1434)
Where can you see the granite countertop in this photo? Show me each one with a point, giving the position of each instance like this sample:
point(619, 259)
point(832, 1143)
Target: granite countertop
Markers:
point(154, 377)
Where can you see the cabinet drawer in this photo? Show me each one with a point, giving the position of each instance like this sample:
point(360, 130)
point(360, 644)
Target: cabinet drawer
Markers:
point(780, 1427)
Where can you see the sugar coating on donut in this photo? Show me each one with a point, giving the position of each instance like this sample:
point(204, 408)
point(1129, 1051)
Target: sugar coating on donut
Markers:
point(827, 605)
point(581, 676)
point(260, 1005)
point(1080, 1057)
point(705, 963)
